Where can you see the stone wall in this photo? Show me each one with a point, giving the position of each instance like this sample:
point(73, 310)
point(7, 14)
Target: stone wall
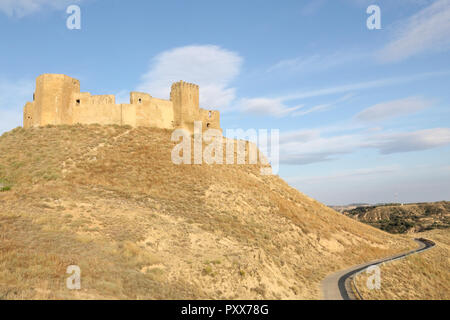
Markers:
point(58, 100)
point(210, 119)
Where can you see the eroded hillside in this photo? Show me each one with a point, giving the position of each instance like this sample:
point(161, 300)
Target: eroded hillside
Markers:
point(399, 218)
point(109, 199)
point(423, 276)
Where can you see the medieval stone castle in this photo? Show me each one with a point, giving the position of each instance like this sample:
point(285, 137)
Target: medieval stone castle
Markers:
point(58, 100)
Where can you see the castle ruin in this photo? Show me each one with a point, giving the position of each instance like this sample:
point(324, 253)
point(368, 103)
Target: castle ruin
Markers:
point(58, 100)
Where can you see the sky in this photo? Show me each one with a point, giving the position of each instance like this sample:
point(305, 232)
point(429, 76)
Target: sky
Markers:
point(363, 113)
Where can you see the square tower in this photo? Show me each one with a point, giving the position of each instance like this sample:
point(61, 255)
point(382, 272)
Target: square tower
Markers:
point(185, 99)
point(52, 99)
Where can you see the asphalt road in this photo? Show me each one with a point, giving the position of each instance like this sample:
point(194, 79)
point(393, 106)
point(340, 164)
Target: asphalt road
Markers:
point(337, 286)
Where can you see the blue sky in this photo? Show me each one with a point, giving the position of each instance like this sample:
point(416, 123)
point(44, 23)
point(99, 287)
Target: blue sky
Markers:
point(363, 114)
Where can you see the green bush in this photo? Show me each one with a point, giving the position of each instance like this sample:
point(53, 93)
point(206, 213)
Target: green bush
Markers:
point(5, 188)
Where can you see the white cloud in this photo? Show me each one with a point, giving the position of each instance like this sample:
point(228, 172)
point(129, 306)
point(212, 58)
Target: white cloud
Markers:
point(428, 30)
point(306, 146)
point(211, 67)
point(300, 135)
point(318, 62)
point(410, 141)
point(21, 8)
point(393, 108)
point(266, 106)
point(310, 146)
point(214, 68)
point(317, 108)
point(13, 96)
point(362, 85)
point(390, 3)
point(277, 106)
point(324, 106)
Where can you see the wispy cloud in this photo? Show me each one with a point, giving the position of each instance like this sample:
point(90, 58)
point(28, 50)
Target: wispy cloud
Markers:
point(318, 62)
point(362, 85)
point(279, 106)
point(22, 8)
point(393, 108)
point(323, 107)
point(410, 141)
point(426, 31)
point(266, 106)
point(215, 68)
point(316, 108)
point(317, 148)
point(211, 67)
point(311, 146)
point(390, 3)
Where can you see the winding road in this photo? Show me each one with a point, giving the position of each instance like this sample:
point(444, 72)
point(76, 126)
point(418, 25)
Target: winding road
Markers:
point(337, 286)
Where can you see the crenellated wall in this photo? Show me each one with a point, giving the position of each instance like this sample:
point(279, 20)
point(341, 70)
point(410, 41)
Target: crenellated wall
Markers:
point(58, 100)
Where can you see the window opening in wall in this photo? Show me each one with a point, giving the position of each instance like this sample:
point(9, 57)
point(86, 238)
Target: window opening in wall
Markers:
point(78, 101)
point(140, 100)
point(207, 125)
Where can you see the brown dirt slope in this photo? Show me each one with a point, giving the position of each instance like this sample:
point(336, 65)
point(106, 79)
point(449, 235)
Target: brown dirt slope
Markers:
point(108, 199)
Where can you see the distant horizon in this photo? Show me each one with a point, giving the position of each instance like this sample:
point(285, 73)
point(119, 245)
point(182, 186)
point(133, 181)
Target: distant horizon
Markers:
point(381, 203)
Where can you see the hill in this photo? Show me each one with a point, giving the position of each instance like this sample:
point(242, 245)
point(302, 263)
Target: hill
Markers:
point(403, 218)
point(109, 200)
point(422, 276)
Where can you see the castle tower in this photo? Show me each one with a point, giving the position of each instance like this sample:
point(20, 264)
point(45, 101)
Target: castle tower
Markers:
point(185, 99)
point(57, 100)
point(52, 99)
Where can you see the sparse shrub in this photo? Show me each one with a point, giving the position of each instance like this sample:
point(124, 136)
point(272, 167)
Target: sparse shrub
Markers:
point(208, 271)
point(5, 188)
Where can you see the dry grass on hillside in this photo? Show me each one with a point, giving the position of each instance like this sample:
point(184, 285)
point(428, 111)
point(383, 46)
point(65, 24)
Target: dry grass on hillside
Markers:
point(108, 199)
point(423, 276)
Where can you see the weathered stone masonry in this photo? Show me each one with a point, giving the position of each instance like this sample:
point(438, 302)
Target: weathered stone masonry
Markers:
point(58, 100)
